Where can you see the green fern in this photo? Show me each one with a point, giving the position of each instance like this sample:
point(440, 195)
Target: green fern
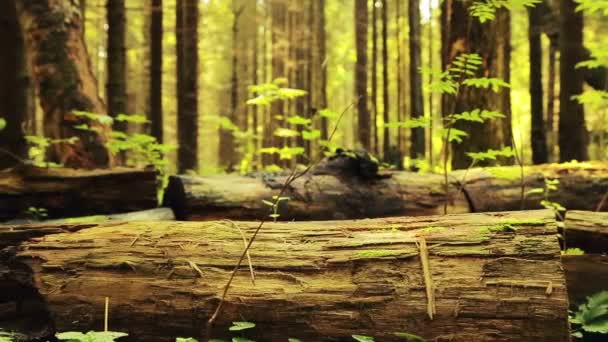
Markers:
point(592, 316)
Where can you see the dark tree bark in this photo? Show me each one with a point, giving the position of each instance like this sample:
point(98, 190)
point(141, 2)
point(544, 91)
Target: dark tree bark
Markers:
point(386, 145)
point(64, 80)
point(14, 87)
point(551, 83)
point(364, 130)
point(116, 85)
point(156, 70)
point(322, 58)
point(187, 84)
point(462, 33)
point(573, 139)
point(538, 137)
point(417, 150)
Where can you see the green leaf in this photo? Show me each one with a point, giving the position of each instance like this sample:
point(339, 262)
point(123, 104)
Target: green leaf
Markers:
point(363, 338)
point(287, 153)
point(592, 316)
point(311, 134)
point(238, 326)
point(2, 123)
point(268, 203)
point(241, 339)
point(298, 120)
point(133, 118)
point(101, 118)
point(293, 340)
point(186, 339)
point(535, 191)
point(328, 113)
point(573, 251)
point(91, 336)
point(286, 133)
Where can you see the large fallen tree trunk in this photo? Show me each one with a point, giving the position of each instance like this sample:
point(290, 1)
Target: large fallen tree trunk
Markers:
point(326, 197)
point(68, 192)
point(483, 277)
point(587, 231)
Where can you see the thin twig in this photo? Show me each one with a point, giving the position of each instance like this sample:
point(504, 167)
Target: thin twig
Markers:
point(288, 181)
point(245, 245)
point(602, 202)
point(428, 279)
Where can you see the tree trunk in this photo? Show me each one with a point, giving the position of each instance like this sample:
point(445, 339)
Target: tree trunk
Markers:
point(573, 139)
point(491, 40)
point(14, 88)
point(334, 196)
point(386, 145)
point(538, 137)
point(68, 193)
point(364, 129)
point(486, 282)
point(417, 149)
point(116, 84)
point(64, 80)
point(187, 84)
point(551, 82)
point(374, 81)
point(156, 214)
point(320, 64)
point(156, 71)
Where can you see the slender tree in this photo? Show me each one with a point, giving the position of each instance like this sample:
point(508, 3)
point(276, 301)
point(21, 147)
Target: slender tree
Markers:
point(116, 84)
point(385, 80)
point(462, 33)
point(417, 150)
point(364, 131)
point(539, 141)
point(319, 64)
point(551, 83)
point(374, 81)
point(187, 83)
point(64, 81)
point(573, 138)
point(14, 90)
point(156, 70)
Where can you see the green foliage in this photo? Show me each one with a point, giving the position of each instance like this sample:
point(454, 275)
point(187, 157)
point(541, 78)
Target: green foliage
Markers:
point(91, 336)
point(238, 326)
point(36, 213)
point(485, 10)
point(268, 93)
point(491, 154)
point(274, 206)
point(592, 6)
point(363, 338)
point(592, 316)
point(2, 123)
point(573, 251)
point(38, 146)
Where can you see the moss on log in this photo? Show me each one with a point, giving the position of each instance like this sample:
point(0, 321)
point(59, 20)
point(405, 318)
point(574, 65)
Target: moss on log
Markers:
point(497, 277)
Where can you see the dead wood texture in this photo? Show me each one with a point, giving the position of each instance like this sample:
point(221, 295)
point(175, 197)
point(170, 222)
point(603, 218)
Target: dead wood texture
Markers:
point(587, 231)
point(327, 197)
point(69, 192)
point(497, 277)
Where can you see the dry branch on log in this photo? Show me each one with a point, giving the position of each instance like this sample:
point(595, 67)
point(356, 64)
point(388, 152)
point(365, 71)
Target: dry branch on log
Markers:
point(69, 192)
point(497, 277)
point(327, 197)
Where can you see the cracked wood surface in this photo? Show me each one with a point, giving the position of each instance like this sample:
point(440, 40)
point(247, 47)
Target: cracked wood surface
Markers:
point(497, 277)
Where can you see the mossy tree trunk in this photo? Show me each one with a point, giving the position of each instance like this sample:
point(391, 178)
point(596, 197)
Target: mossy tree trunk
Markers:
point(61, 72)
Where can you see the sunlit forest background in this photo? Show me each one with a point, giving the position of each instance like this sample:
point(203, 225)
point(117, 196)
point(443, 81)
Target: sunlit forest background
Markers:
point(312, 46)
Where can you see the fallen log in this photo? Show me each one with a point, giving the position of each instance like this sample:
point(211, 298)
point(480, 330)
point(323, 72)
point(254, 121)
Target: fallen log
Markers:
point(328, 197)
point(156, 214)
point(487, 277)
point(587, 231)
point(311, 197)
point(585, 275)
point(68, 192)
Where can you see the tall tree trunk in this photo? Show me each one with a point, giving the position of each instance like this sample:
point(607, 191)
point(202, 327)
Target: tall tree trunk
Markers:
point(400, 75)
point(385, 81)
point(417, 150)
point(318, 65)
point(551, 82)
point(156, 70)
point(462, 33)
point(62, 74)
point(573, 138)
point(374, 82)
point(116, 85)
point(539, 140)
point(187, 84)
point(14, 89)
point(361, 73)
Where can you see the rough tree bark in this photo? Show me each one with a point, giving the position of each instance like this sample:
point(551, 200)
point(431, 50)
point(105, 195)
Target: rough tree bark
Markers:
point(156, 70)
point(62, 74)
point(587, 231)
point(116, 82)
point(386, 139)
point(66, 192)
point(326, 197)
point(364, 130)
point(461, 33)
point(494, 277)
point(539, 140)
point(187, 84)
point(14, 87)
point(417, 150)
point(374, 80)
point(573, 138)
